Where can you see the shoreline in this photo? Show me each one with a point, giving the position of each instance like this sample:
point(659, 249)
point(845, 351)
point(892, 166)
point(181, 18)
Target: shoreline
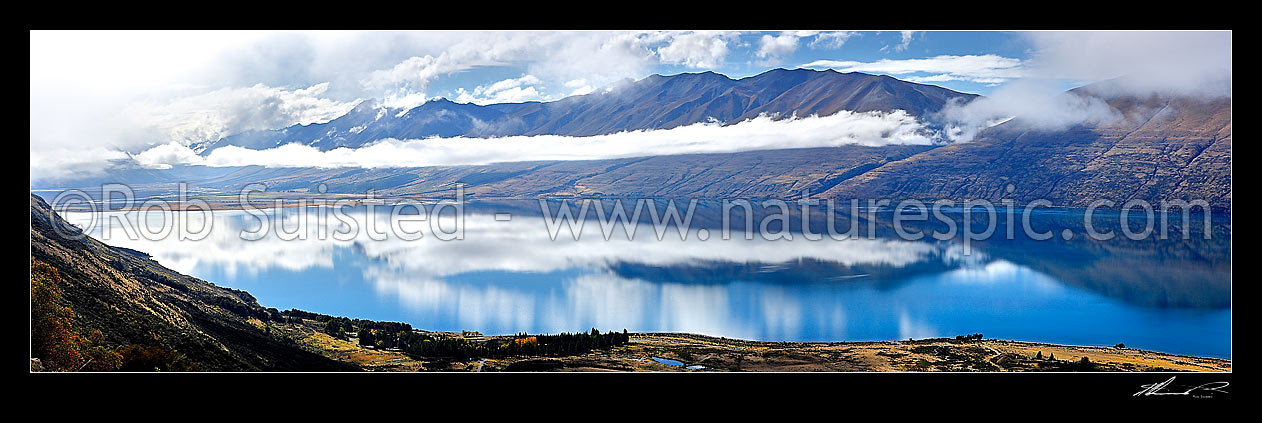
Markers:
point(915, 341)
point(689, 352)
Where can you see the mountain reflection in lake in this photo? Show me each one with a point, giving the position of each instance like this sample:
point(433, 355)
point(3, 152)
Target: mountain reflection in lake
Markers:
point(508, 276)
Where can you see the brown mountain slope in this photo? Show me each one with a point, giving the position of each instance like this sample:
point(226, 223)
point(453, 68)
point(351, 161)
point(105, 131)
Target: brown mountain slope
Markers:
point(133, 300)
point(1162, 148)
point(660, 102)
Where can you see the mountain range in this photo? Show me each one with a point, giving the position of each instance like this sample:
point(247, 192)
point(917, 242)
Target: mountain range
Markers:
point(655, 102)
point(1161, 146)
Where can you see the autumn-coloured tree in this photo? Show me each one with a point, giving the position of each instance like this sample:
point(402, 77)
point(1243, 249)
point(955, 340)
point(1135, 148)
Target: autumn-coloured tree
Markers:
point(98, 357)
point(52, 339)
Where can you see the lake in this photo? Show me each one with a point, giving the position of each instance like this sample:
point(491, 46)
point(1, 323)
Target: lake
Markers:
point(507, 275)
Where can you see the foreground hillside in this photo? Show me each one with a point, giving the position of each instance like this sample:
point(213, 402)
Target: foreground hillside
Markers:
point(132, 301)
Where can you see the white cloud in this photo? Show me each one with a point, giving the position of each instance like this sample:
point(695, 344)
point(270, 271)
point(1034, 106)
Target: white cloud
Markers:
point(704, 50)
point(903, 44)
point(512, 90)
point(62, 162)
point(554, 57)
point(81, 80)
point(986, 69)
point(580, 86)
point(415, 72)
point(219, 113)
point(129, 90)
point(832, 39)
point(1038, 105)
point(403, 101)
point(166, 155)
point(763, 133)
point(476, 49)
point(1184, 62)
point(1144, 63)
point(772, 48)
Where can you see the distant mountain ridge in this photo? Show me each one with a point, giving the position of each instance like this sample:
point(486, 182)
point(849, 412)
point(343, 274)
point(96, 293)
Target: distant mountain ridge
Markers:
point(655, 102)
point(1163, 147)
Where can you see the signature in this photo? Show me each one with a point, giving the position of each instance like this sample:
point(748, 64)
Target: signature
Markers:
point(1200, 391)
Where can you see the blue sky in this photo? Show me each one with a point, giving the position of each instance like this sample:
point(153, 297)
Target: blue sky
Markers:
point(742, 57)
point(872, 47)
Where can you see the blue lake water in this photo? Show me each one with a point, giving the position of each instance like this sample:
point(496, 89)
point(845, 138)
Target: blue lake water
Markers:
point(668, 361)
point(509, 276)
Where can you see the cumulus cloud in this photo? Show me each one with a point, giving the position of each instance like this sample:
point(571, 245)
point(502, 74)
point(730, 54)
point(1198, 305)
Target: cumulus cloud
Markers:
point(985, 69)
point(415, 71)
point(706, 50)
point(598, 57)
point(772, 48)
point(472, 50)
point(512, 90)
point(762, 133)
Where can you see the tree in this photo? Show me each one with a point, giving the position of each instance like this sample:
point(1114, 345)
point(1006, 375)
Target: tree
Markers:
point(52, 340)
point(99, 358)
point(152, 358)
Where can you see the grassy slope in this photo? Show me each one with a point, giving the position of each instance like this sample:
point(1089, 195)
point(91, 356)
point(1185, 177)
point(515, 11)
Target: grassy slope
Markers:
point(723, 354)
